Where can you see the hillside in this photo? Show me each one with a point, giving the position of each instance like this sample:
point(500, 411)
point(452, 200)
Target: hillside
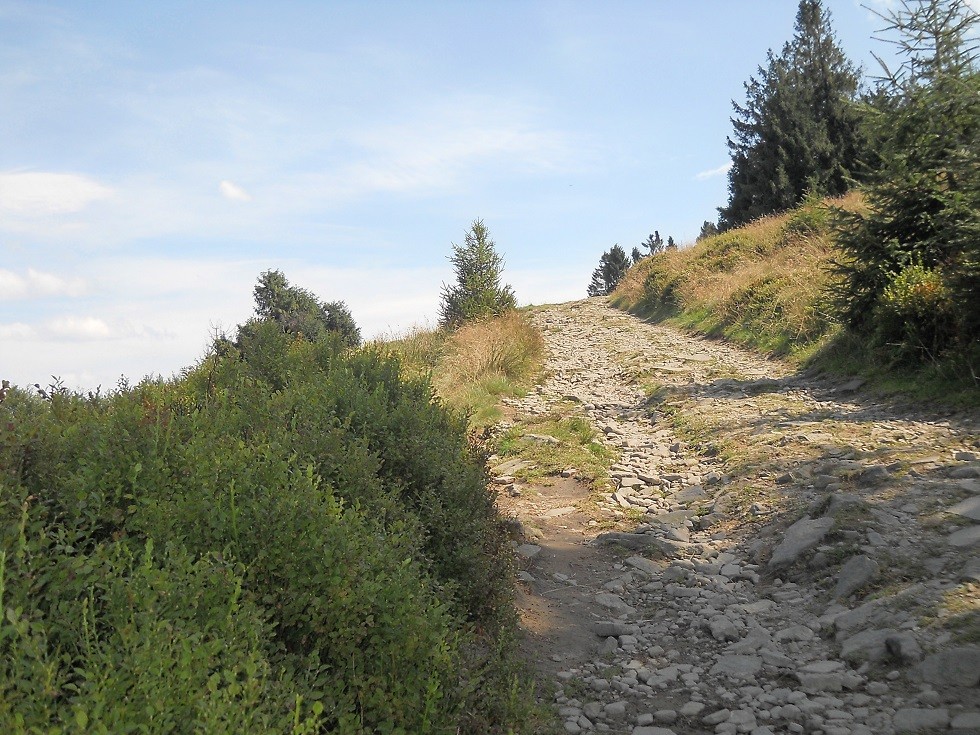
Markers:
point(770, 286)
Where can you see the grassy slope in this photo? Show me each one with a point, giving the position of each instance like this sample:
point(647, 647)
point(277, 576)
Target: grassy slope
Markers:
point(767, 286)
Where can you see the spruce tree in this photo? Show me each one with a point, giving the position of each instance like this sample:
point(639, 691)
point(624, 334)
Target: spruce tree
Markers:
point(299, 312)
point(911, 266)
point(477, 292)
point(798, 130)
point(612, 267)
point(707, 230)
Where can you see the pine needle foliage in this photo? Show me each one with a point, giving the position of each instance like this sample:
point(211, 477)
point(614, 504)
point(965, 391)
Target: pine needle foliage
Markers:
point(477, 292)
point(910, 268)
point(613, 265)
point(798, 129)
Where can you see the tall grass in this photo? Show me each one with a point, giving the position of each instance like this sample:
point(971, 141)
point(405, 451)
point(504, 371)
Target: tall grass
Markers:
point(474, 366)
point(764, 285)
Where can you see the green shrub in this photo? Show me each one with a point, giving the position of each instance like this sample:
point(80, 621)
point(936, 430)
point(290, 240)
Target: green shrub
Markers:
point(290, 537)
point(915, 313)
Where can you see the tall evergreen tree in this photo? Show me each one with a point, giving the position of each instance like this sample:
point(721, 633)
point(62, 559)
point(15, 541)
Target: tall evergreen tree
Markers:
point(612, 267)
point(477, 292)
point(798, 129)
point(911, 266)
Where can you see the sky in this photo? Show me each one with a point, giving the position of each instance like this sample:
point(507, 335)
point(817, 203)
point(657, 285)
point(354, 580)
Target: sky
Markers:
point(157, 157)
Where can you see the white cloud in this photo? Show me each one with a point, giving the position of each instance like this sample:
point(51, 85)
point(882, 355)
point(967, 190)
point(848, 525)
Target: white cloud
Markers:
point(80, 328)
point(234, 192)
point(16, 330)
point(36, 284)
point(44, 194)
point(711, 173)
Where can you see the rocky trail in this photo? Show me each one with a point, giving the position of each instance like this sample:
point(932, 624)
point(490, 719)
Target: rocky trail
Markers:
point(771, 552)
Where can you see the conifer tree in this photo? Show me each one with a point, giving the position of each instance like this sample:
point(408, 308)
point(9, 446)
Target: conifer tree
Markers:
point(654, 243)
point(299, 312)
point(707, 230)
point(911, 265)
point(477, 292)
point(612, 267)
point(798, 129)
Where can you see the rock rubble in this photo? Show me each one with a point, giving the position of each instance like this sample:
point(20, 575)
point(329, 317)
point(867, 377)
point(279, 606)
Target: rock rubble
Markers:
point(817, 604)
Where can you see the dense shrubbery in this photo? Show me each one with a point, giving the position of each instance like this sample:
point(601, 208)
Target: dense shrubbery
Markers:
point(291, 538)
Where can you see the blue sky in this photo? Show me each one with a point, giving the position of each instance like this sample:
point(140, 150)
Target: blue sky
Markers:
point(157, 157)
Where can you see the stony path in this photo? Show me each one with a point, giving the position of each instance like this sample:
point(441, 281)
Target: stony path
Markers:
point(786, 555)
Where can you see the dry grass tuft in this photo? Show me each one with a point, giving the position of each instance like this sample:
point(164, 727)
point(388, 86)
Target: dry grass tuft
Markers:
point(763, 285)
point(474, 366)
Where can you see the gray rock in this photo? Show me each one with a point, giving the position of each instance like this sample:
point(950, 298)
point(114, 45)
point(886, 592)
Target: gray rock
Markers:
point(613, 602)
point(874, 474)
point(711, 519)
point(965, 473)
point(528, 551)
point(969, 508)
point(969, 536)
point(801, 536)
point(693, 492)
point(737, 666)
point(971, 571)
point(614, 628)
point(868, 645)
point(917, 720)
point(821, 682)
point(855, 574)
point(962, 456)
point(717, 717)
point(959, 666)
point(723, 629)
point(966, 722)
point(795, 633)
point(904, 647)
point(644, 565)
point(651, 730)
point(641, 542)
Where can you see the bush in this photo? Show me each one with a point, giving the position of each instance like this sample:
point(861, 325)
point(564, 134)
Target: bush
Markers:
point(915, 313)
point(291, 538)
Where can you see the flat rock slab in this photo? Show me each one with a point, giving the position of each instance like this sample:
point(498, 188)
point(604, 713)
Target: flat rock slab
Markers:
point(917, 720)
point(694, 492)
point(868, 645)
point(969, 536)
point(644, 565)
point(855, 574)
point(641, 541)
point(613, 602)
point(959, 666)
point(528, 551)
point(969, 508)
point(674, 517)
point(737, 666)
point(801, 536)
point(511, 466)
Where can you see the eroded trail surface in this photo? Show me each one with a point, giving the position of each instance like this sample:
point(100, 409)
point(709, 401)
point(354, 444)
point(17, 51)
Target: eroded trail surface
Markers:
point(770, 554)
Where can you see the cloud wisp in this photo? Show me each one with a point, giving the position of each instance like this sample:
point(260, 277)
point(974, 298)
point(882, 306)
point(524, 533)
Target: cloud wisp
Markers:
point(713, 172)
point(37, 284)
